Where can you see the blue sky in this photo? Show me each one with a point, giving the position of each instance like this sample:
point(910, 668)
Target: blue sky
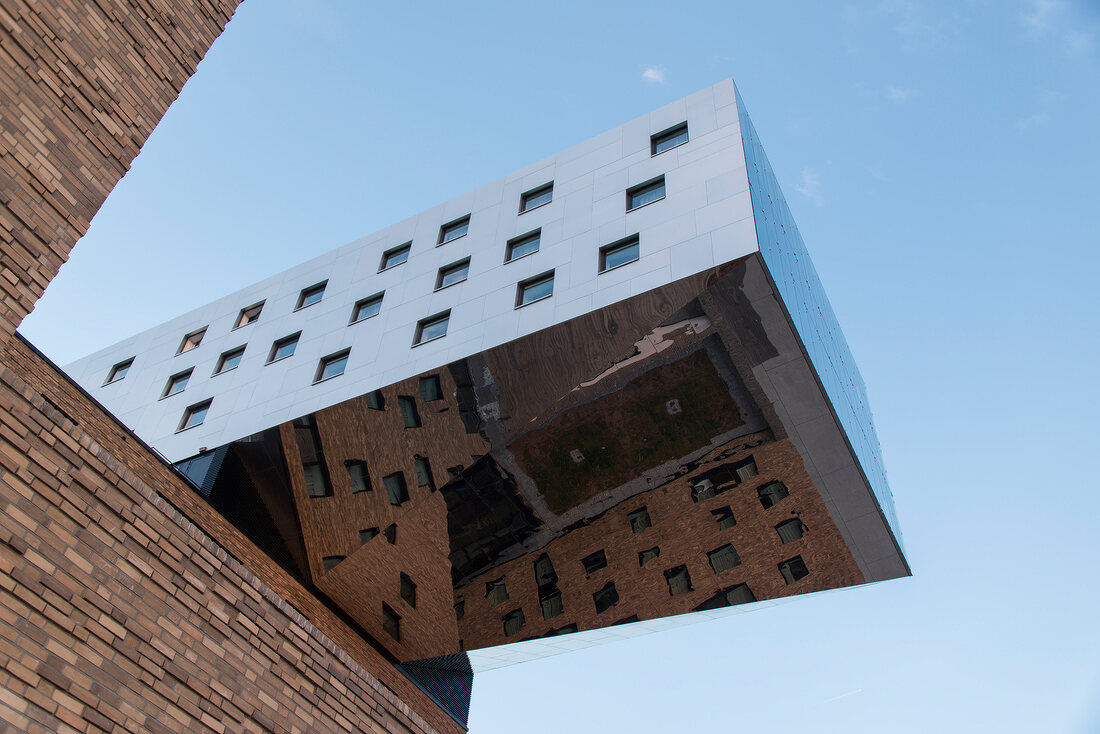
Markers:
point(941, 160)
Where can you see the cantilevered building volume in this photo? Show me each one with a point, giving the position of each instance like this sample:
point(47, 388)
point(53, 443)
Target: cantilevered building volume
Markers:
point(602, 395)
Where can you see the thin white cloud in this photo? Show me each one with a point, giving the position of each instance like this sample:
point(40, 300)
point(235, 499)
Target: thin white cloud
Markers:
point(654, 74)
point(1038, 15)
point(809, 185)
point(899, 95)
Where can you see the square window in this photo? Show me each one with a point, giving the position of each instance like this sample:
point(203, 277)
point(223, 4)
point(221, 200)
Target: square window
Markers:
point(619, 253)
point(332, 366)
point(424, 473)
point(793, 569)
point(194, 415)
point(229, 360)
point(317, 483)
point(646, 556)
point(545, 577)
point(745, 469)
point(283, 348)
point(522, 245)
point(409, 413)
point(595, 561)
point(358, 477)
point(176, 383)
point(391, 622)
point(191, 341)
point(453, 230)
point(311, 295)
point(408, 590)
point(606, 597)
point(639, 519)
point(119, 371)
point(396, 256)
point(432, 327)
point(790, 530)
point(724, 558)
point(453, 273)
point(536, 197)
point(366, 308)
point(535, 289)
point(551, 605)
point(740, 594)
point(679, 580)
point(513, 622)
point(365, 535)
point(331, 562)
point(396, 489)
point(646, 193)
point(724, 517)
point(430, 388)
point(249, 315)
point(375, 400)
point(667, 139)
point(771, 493)
point(496, 591)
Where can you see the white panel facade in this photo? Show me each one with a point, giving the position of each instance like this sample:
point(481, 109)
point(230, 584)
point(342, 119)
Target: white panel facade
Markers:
point(704, 220)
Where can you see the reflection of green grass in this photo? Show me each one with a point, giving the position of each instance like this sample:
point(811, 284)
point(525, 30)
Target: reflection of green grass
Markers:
point(624, 433)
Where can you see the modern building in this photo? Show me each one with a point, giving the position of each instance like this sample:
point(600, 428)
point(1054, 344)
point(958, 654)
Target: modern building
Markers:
point(599, 396)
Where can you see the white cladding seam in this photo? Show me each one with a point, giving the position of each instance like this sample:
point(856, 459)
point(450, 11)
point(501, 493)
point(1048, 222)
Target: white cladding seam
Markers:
point(704, 220)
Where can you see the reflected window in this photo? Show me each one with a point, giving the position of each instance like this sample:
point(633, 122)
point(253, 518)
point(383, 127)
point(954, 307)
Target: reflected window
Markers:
point(283, 348)
point(119, 371)
point(408, 590)
point(646, 193)
point(365, 535)
point(535, 289)
point(249, 315)
point(646, 556)
point(724, 558)
point(454, 230)
point(229, 360)
point(745, 469)
point(790, 530)
point(453, 273)
point(523, 245)
point(639, 519)
point(496, 591)
point(606, 597)
point(433, 327)
point(513, 622)
point(424, 473)
point(195, 415)
point(594, 562)
point(374, 400)
point(176, 383)
point(391, 622)
point(679, 580)
point(724, 517)
point(331, 562)
point(793, 569)
point(332, 366)
point(396, 489)
point(317, 484)
point(703, 489)
point(394, 257)
point(409, 414)
point(430, 388)
point(358, 477)
point(740, 594)
point(619, 253)
point(551, 605)
point(771, 493)
point(366, 308)
point(191, 341)
point(662, 141)
point(311, 295)
point(544, 572)
point(536, 197)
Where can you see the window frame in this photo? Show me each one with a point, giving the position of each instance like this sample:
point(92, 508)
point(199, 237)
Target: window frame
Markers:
point(275, 345)
point(219, 366)
point(670, 133)
point(534, 235)
point(422, 324)
point(406, 248)
point(364, 303)
point(123, 366)
point(324, 362)
point(197, 335)
point(306, 293)
point(633, 240)
point(645, 187)
point(445, 229)
point(445, 272)
point(533, 194)
point(190, 411)
point(523, 285)
point(245, 312)
point(185, 376)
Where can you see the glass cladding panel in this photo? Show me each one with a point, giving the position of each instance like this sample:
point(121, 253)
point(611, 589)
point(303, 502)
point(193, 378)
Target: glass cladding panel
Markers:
point(790, 266)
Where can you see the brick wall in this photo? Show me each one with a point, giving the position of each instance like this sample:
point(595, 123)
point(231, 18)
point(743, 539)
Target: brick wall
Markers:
point(82, 87)
point(126, 600)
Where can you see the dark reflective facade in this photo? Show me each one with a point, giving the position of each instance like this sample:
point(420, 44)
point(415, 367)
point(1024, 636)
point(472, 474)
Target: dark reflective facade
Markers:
point(622, 466)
